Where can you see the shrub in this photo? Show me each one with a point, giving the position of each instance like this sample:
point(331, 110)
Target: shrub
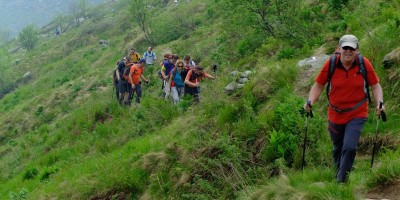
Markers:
point(281, 145)
point(286, 53)
point(46, 172)
point(21, 195)
point(30, 173)
point(249, 44)
point(28, 38)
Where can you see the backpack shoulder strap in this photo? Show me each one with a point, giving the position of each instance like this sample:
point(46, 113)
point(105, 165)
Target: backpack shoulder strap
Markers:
point(363, 72)
point(332, 65)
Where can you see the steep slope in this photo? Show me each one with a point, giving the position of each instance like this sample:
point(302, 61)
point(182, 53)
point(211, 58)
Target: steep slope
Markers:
point(64, 136)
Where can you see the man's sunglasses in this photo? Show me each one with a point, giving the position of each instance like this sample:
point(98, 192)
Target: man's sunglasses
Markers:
point(348, 48)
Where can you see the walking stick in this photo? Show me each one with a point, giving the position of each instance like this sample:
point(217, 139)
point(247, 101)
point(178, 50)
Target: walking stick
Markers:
point(215, 67)
point(308, 114)
point(383, 114)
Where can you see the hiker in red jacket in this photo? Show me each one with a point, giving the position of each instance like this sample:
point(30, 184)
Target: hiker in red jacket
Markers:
point(192, 81)
point(348, 102)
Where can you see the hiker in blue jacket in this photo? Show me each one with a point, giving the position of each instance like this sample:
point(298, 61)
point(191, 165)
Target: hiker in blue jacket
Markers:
point(150, 57)
point(177, 82)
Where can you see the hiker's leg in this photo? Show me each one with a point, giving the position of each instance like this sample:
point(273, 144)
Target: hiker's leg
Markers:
point(127, 91)
point(121, 89)
point(116, 90)
point(175, 95)
point(167, 89)
point(336, 132)
point(186, 90)
point(138, 89)
point(130, 92)
point(196, 97)
point(350, 141)
point(180, 90)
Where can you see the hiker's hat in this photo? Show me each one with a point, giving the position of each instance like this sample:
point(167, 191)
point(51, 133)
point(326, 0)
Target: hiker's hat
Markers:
point(348, 41)
point(142, 60)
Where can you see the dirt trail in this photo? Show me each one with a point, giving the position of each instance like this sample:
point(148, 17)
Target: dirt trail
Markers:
point(391, 191)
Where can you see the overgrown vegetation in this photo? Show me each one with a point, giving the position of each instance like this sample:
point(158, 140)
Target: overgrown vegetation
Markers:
point(28, 38)
point(64, 136)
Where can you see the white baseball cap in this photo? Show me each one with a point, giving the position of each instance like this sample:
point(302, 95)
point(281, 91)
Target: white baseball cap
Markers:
point(349, 41)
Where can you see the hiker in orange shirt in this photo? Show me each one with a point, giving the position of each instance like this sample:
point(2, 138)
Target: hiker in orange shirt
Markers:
point(135, 75)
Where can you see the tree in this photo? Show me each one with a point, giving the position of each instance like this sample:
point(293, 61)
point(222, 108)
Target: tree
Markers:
point(276, 18)
point(28, 38)
point(73, 7)
point(78, 9)
point(82, 7)
point(140, 12)
point(5, 36)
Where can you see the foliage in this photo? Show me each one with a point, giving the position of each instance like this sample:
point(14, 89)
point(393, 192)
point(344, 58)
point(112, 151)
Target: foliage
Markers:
point(309, 184)
point(281, 145)
point(21, 195)
point(141, 15)
point(30, 173)
point(387, 173)
point(78, 8)
point(47, 172)
point(28, 37)
point(65, 128)
point(337, 5)
point(5, 36)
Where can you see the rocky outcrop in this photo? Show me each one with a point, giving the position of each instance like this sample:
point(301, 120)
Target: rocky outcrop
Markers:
point(27, 75)
point(392, 59)
point(15, 49)
point(313, 61)
point(103, 43)
point(240, 79)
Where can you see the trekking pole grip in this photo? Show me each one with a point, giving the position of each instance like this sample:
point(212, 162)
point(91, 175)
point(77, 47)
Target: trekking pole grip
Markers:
point(383, 114)
point(309, 105)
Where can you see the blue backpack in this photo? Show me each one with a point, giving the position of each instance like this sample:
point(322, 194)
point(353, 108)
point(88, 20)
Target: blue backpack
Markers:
point(177, 78)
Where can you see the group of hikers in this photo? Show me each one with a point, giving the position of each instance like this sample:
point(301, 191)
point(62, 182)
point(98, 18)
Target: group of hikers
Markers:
point(179, 77)
point(347, 74)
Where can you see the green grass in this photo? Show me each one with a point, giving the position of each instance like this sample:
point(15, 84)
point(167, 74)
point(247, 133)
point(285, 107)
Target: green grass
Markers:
point(64, 136)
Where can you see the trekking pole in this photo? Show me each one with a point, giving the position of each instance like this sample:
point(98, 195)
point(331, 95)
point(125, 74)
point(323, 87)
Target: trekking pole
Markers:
point(308, 114)
point(383, 114)
point(215, 67)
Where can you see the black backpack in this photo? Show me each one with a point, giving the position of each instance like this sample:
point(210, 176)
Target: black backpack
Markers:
point(114, 73)
point(184, 73)
point(127, 70)
point(363, 72)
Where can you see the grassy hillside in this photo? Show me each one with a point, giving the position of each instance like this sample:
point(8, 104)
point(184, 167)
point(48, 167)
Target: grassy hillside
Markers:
point(63, 135)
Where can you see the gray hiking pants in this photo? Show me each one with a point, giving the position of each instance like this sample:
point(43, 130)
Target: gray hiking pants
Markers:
point(345, 139)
